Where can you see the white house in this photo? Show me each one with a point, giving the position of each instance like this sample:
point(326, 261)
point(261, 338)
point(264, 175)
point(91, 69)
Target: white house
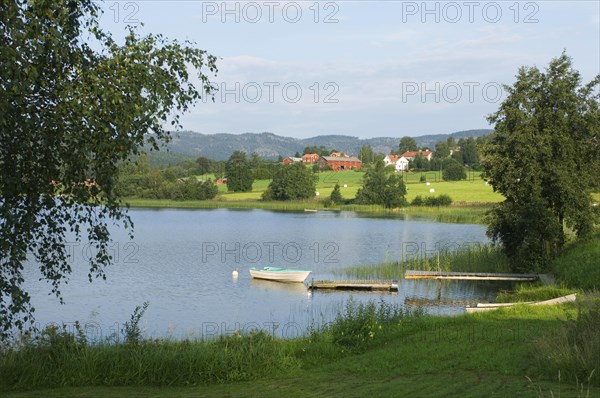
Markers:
point(400, 162)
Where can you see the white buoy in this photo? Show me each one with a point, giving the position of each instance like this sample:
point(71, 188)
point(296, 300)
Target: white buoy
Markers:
point(234, 274)
point(431, 190)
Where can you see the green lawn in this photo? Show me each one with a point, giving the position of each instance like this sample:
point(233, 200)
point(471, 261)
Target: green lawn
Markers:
point(473, 190)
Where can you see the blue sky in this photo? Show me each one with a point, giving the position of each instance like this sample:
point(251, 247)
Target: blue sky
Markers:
point(365, 68)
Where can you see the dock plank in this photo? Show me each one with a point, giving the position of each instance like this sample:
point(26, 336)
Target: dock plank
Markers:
point(391, 286)
point(415, 274)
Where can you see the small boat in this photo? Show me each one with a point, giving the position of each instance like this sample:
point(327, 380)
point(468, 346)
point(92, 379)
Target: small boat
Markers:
point(279, 274)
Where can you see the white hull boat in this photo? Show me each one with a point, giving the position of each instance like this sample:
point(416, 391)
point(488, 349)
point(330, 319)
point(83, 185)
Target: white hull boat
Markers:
point(279, 274)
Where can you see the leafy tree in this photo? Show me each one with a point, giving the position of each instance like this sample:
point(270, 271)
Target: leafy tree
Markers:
point(321, 150)
point(71, 113)
point(395, 192)
point(204, 165)
point(421, 163)
point(292, 182)
point(451, 141)
point(366, 154)
point(407, 144)
point(442, 150)
point(542, 157)
point(336, 195)
point(380, 189)
point(453, 171)
point(296, 155)
point(469, 151)
point(238, 173)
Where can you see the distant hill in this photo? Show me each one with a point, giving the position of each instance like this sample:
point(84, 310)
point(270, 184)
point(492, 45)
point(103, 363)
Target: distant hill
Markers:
point(270, 146)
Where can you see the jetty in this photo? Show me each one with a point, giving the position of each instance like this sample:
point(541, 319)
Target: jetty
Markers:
point(413, 274)
point(364, 285)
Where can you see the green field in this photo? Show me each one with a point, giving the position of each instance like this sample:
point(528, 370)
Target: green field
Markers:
point(473, 190)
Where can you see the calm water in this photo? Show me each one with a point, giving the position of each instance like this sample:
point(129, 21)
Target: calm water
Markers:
point(181, 262)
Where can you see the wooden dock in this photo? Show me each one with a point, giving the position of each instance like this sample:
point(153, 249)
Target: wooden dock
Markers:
point(483, 276)
point(369, 286)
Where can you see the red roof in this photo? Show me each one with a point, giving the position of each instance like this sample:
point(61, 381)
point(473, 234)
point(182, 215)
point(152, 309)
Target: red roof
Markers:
point(393, 158)
point(412, 154)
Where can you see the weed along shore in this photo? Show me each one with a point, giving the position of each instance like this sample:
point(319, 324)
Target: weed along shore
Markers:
point(372, 348)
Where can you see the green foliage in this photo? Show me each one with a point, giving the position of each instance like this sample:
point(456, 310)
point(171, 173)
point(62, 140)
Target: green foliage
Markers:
point(360, 323)
point(440, 200)
point(442, 150)
point(238, 173)
point(366, 154)
point(204, 165)
point(380, 189)
point(453, 171)
point(131, 329)
point(72, 112)
point(319, 150)
point(542, 157)
point(336, 195)
point(292, 182)
point(407, 144)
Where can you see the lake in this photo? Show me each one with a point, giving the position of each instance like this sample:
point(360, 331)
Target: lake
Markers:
point(181, 262)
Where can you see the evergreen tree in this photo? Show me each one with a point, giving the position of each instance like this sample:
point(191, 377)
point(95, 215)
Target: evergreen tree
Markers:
point(336, 195)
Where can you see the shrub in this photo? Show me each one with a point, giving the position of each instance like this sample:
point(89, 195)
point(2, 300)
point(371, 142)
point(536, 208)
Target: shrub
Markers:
point(441, 200)
point(453, 171)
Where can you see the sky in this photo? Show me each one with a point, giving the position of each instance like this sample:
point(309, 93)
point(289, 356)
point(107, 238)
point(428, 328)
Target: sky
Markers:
point(364, 68)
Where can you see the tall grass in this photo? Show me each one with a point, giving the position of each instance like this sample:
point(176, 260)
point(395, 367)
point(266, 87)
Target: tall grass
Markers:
point(360, 323)
point(59, 357)
point(574, 349)
point(476, 258)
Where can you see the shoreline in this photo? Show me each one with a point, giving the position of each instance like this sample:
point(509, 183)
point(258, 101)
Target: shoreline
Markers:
point(460, 213)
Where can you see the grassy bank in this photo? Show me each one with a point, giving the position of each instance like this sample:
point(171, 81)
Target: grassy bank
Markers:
point(367, 352)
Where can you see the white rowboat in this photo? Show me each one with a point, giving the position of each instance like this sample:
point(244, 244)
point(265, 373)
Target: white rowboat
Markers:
point(279, 274)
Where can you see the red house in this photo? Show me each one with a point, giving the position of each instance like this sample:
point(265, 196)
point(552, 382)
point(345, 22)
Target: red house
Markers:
point(340, 163)
point(410, 155)
point(310, 158)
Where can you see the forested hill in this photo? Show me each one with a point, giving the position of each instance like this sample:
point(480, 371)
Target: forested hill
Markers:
point(270, 146)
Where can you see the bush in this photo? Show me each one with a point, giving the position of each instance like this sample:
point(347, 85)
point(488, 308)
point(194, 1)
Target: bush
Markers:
point(441, 200)
point(422, 178)
point(453, 171)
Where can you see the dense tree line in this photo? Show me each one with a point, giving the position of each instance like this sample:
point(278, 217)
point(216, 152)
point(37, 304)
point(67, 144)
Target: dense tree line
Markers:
point(138, 180)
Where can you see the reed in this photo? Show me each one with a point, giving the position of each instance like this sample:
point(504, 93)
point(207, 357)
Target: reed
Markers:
point(476, 258)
